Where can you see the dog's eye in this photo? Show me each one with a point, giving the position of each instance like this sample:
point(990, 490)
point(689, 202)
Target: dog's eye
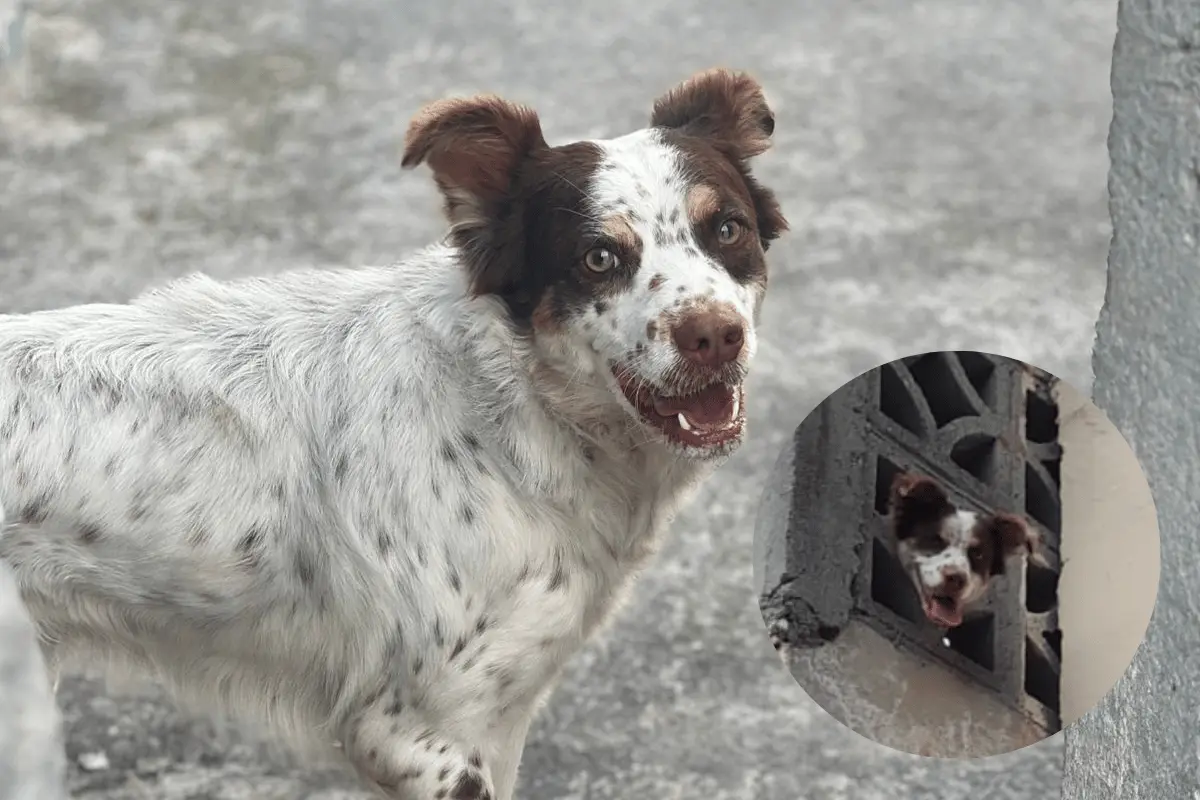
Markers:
point(975, 554)
point(600, 259)
point(729, 232)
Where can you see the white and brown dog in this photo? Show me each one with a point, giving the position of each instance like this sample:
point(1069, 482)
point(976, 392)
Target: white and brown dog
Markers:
point(382, 507)
point(951, 554)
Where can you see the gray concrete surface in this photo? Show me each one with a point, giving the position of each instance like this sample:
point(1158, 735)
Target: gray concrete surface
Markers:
point(943, 165)
point(1144, 742)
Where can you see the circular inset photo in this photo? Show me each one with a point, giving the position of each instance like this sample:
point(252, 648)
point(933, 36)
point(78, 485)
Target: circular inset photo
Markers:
point(957, 555)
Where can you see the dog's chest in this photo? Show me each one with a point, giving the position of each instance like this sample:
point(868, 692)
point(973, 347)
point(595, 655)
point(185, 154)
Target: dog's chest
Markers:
point(520, 588)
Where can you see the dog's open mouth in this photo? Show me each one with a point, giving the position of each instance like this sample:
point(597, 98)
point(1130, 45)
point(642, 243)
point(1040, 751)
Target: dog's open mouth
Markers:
point(942, 609)
point(709, 418)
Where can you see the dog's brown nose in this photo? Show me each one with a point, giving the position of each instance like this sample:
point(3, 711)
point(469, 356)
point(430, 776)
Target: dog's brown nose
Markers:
point(954, 581)
point(710, 338)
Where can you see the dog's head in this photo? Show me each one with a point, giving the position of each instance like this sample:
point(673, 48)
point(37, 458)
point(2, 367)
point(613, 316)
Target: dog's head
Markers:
point(635, 264)
point(950, 554)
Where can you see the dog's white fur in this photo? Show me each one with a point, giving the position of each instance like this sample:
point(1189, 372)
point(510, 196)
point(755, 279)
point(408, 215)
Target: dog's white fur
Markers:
point(353, 504)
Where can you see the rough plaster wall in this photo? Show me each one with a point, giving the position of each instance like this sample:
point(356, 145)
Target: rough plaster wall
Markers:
point(1144, 739)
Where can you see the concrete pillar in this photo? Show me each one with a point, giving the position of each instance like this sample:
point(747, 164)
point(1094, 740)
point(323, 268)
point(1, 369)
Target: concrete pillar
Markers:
point(1143, 741)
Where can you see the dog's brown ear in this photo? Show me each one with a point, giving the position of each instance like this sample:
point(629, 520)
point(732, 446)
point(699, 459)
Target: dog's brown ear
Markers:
point(728, 110)
point(475, 147)
point(915, 503)
point(723, 106)
point(1011, 534)
point(918, 493)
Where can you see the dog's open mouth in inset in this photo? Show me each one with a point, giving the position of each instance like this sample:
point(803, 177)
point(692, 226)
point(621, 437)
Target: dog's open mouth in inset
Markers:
point(710, 418)
point(945, 610)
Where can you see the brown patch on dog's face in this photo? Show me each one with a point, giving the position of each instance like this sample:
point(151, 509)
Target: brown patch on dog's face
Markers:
point(703, 203)
point(618, 229)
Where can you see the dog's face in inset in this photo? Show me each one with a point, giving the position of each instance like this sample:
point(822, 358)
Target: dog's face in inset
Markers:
point(636, 264)
point(949, 553)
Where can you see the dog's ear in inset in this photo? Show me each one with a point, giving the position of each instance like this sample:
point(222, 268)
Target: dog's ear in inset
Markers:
point(475, 148)
point(725, 107)
point(918, 494)
point(1011, 536)
point(728, 110)
point(916, 502)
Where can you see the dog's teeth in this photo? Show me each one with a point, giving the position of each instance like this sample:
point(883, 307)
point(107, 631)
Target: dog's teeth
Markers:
point(737, 406)
point(683, 423)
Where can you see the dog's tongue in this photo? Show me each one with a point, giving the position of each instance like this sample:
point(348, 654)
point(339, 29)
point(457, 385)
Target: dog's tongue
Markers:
point(711, 406)
point(939, 614)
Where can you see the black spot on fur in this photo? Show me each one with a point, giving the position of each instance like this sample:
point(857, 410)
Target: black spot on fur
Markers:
point(469, 786)
point(662, 238)
point(600, 306)
point(482, 624)
point(89, 533)
point(342, 468)
point(472, 442)
point(439, 635)
point(459, 646)
point(250, 541)
point(422, 558)
point(558, 578)
point(455, 580)
point(36, 510)
point(467, 514)
point(448, 452)
point(111, 465)
point(306, 570)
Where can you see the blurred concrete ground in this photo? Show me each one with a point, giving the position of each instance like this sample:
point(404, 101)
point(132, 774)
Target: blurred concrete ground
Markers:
point(943, 165)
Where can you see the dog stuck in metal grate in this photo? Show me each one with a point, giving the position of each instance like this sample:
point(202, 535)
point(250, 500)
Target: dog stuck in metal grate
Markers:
point(951, 554)
point(382, 507)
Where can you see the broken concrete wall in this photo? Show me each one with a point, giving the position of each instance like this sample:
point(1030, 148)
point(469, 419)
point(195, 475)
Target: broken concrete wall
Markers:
point(1143, 741)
